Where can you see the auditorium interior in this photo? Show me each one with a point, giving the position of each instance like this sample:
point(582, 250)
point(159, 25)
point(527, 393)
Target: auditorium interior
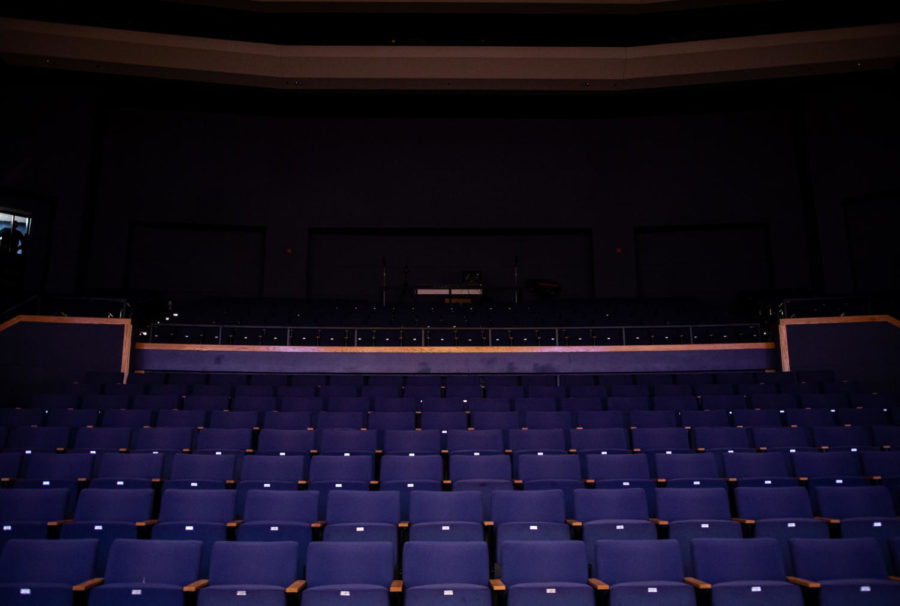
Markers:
point(449, 302)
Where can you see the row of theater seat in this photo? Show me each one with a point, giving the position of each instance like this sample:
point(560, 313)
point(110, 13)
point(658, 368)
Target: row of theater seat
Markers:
point(525, 526)
point(473, 390)
point(354, 403)
point(405, 473)
point(469, 512)
point(871, 424)
point(738, 571)
point(467, 379)
point(331, 440)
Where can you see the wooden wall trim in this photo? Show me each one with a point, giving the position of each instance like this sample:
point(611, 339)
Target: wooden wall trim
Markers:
point(312, 67)
point(784, 344)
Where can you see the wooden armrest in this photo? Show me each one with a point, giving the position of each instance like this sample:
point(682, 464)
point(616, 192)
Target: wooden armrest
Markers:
point(317, 525)
point(697, 583)
point(302, 484)
point(894, 578)
point(82, 480)
point(744, 520)
point(373, 484)
point(876, 478)
point(186, 451)
point(589, 483)
point(234, 523)
point(488, 523)
point(829, 520)
point(572, 451)
point(446, 482)
point(60, 450)
point(146, 523)
point(230, 483)
point(659, 522)
point(396, 586)
point(123, 450)
point(193, 587)
point(507, 451)
point(635, 450)
point(518, 483)
point(497, 585)
point(804, 583)
point(296, 586)
point(700, 449)
point(403, 524)
point(598, 585)
point(57, 523)
point(574, 523)
point(660, 481)
point(89, 584)
point(444, 451)
point(313, 451)
point(802, 479)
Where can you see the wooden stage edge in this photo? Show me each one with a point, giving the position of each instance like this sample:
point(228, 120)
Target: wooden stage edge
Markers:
point(562, 349)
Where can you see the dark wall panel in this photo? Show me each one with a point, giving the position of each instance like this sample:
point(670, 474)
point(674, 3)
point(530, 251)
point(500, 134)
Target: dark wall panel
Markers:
point(196, 259)
point(706, 261)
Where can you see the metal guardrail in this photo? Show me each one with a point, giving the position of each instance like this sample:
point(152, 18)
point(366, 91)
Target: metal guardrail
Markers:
point(163, 332)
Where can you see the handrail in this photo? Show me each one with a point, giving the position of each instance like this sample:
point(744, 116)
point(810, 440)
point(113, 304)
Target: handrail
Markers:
point(354, 335)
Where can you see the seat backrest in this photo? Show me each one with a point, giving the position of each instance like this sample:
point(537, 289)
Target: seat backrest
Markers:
point(273, 468)
point(202, 467)
point(286, 441)
point(599, 438)
point(549, 467)
point(474, 440)
point(165, 562)
point(281, 506)
point(638, 560)
point(69, 466)
point(253, 563)
point(686, 465)
point(660, 438)
point(358, 506)
point(68, 562)
point(611, 503)
point(33, 504)
point(693, 504)
point(482, 467)
point(327, 468)
point(443, 506)
point(438, 563)
point(855, 501)
point(536, 439)
point(197, 505)
point(349, 562)
point(826, 464)
point(721, 437)
point(528, 506)
point(543, 562)
point(756, 464)
point(114, 505)
point(760, 503)
point(405, 468)
point(422, 441)
point(161, 439)
point(37, 439)
point(827, 559)
point(723, 560)
point(215, 438)
point(617, 467)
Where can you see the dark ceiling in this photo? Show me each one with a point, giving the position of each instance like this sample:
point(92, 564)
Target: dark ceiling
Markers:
point(460, 22)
